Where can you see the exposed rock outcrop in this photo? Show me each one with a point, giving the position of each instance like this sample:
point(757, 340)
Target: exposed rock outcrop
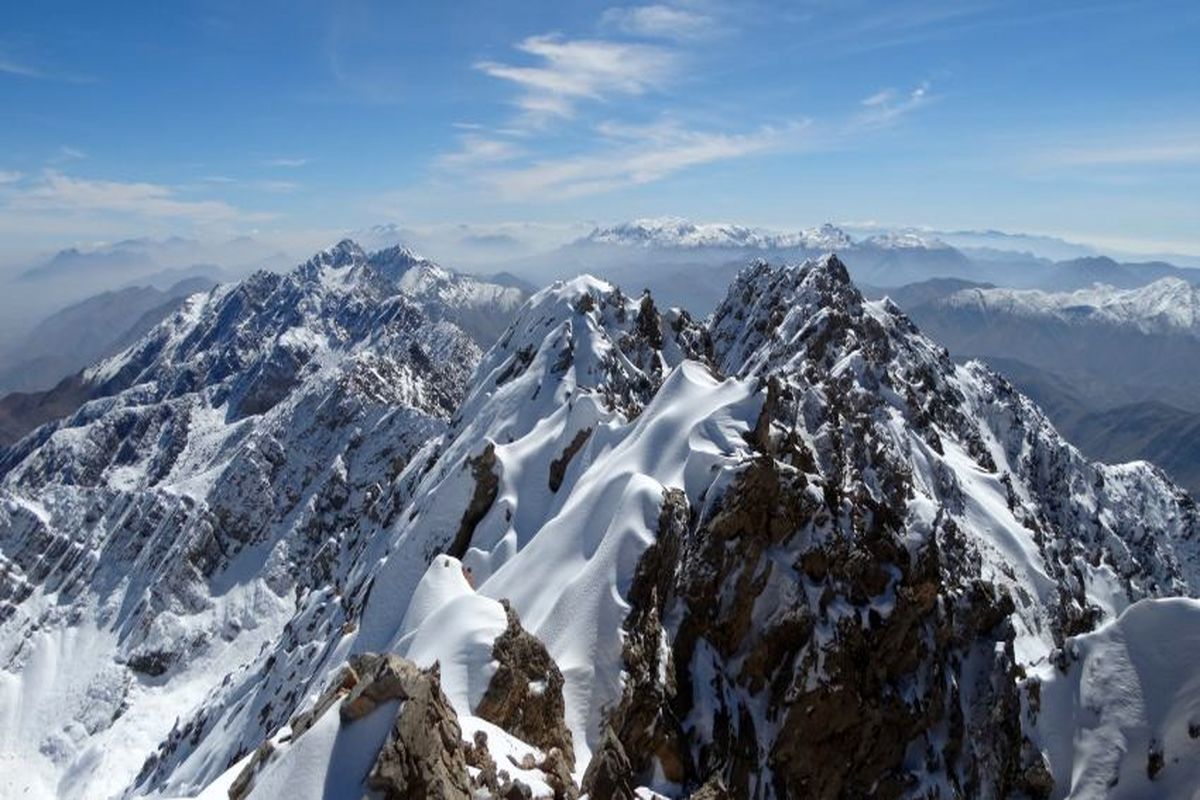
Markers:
point(244, 782)
point(483, 471)
point(609, 775)
point(525, 694)
point(558, 467)
point(423, 757)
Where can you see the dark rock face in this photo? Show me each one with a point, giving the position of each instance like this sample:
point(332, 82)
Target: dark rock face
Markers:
point(644, 724)
point(839, 698)
point(487, 483)
point(610, 773)
point(423, 757)
point(558, 467)
point(152, 663)
point(525, 695)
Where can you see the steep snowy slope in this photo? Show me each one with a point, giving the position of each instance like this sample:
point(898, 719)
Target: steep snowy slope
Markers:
point(798, 552)
point(229, 461)
point(480, 307)
point(81, 334)
point(1116, 370)
point(1120, 717)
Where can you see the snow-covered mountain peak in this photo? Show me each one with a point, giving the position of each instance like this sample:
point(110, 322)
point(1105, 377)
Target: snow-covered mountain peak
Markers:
point(345, 253)
point(586, 335)
point(905, 240)
point(398, 259)
point(764, 301)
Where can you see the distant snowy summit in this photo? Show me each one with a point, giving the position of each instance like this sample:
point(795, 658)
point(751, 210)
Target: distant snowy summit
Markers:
point(1166, 306)
point(678, 232)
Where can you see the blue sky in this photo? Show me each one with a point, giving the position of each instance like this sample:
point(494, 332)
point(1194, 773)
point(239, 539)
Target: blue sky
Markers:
point(291, 119)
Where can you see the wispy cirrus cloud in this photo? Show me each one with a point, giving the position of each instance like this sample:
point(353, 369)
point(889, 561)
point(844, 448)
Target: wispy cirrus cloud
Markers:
point(563, 85)
point(67, 153)
point(10, 67)
point(659, 21)
point(478, 148)
point(888, 105)
point(631, 155)
point(1142, 153)
point(284, 161)
point(566, 71)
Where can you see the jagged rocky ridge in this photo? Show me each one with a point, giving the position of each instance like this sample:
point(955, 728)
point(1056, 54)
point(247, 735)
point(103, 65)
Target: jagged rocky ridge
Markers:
point(792, 551)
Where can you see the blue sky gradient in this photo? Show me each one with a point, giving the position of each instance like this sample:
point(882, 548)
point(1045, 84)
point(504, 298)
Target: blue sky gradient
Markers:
point(214, 119)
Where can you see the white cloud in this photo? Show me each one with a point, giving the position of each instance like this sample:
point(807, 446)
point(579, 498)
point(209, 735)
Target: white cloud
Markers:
point(475, 149)
point(274, 186)
point(659, 21)
point(57, 192)
point(634, 155)
point(9, 67)
point(570, 70)
point(886, 106)
point(9, 176)
point(66, 153)
point(285, 162)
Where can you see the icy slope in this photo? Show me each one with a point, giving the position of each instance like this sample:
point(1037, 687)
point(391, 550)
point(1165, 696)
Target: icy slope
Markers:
point(160, 537)
point(557, 392)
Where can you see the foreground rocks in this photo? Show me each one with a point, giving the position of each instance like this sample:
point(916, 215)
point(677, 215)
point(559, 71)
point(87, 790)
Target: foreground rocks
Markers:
point(423, 756)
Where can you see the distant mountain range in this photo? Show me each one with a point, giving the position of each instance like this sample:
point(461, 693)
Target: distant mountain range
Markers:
point(82, 333)
point(689, 264)
point(102, 326)
point(1117, 370)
